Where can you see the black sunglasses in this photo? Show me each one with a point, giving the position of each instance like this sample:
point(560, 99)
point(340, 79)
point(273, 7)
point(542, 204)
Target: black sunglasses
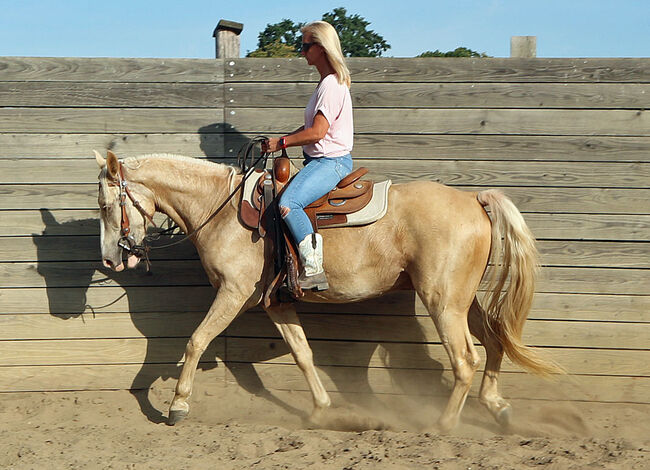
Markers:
point(307, 45)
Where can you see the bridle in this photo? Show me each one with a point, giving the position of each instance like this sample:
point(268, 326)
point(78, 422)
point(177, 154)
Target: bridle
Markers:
point(126, 240)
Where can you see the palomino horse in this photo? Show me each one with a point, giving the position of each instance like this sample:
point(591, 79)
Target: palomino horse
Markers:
point(433, 239)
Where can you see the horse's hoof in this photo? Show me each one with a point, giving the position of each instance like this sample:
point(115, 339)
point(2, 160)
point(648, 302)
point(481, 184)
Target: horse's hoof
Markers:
point(504, 416)
point(446, 426)
point(176, 416)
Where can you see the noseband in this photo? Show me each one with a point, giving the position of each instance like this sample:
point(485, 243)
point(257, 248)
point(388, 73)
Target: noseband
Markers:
point(126, 240)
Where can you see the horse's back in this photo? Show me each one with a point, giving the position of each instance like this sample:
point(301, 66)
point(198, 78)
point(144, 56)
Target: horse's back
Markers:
point(426, 224)
point(436, 206)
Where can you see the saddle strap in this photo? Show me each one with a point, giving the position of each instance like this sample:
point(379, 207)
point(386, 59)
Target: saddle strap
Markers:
point(291, 263)
point(284, 287)
point(269, 196)
point(270, 297)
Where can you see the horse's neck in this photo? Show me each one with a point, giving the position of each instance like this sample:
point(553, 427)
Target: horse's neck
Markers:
point(187, 193)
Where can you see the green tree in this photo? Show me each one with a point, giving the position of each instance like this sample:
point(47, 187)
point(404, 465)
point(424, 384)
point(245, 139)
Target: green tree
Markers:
point(356, 39)
point(276, 48)
point(458, 52)
point(278, 39)
point(283, 39)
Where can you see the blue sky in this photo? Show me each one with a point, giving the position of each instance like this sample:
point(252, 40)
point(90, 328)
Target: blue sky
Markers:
point(183, 29)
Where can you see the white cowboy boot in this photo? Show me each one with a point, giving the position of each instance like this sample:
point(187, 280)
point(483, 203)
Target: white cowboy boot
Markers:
point(311, 258)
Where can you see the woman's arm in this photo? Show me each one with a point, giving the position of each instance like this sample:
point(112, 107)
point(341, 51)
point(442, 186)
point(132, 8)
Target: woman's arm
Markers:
point(301, 136)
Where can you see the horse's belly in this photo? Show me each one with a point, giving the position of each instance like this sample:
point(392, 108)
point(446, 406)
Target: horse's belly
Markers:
point(362, 262)
point(360, 286)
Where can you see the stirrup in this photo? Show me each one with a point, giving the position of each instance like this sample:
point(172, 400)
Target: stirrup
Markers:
point(317, 281)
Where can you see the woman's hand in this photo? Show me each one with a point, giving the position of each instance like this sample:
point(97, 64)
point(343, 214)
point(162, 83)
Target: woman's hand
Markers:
point(271, 145)
point(300, 136)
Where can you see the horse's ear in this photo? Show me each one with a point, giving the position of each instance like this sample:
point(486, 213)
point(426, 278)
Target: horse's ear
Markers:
point(112, 165)
point(101, 161)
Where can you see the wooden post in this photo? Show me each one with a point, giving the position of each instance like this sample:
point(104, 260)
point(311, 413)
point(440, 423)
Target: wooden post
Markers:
point(523, 46)
point(226, 36)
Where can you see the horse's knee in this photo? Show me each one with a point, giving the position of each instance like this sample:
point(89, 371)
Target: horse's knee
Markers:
point(194, 347)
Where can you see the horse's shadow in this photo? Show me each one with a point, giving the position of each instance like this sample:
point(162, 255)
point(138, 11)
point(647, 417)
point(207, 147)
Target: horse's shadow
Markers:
point(71, 301)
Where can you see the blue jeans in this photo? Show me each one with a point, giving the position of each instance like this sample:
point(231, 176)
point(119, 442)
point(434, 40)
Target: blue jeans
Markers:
point(317, 178)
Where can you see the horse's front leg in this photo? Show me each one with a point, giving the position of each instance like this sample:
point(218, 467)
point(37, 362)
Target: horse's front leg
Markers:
point(226, 306)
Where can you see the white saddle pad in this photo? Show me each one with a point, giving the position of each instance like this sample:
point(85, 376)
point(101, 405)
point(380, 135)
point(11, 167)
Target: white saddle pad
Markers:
point(374, 211)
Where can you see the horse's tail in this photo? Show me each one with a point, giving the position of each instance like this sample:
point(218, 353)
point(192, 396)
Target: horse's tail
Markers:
point(511, 281)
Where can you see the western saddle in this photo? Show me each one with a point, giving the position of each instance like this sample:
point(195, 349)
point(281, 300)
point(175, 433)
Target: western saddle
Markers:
point(259, 212)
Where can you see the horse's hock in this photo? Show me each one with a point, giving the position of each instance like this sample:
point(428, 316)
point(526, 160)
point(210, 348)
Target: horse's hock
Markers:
point(566, 139)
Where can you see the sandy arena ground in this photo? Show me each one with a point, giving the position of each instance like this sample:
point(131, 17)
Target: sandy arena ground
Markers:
point(229, 428)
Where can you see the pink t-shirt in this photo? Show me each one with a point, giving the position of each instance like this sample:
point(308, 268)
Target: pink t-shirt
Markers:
point(333, 100)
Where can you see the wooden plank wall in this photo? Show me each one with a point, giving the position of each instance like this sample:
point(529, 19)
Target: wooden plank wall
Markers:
point(567, 139)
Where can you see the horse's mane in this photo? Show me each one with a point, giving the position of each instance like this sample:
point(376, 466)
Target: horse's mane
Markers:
point(220, 169)
point(134, 162)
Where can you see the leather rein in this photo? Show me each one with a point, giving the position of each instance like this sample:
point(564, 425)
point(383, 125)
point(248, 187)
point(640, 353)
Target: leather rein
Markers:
point(126, 240)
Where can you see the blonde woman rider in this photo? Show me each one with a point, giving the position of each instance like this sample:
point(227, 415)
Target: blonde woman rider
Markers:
point(326, 140)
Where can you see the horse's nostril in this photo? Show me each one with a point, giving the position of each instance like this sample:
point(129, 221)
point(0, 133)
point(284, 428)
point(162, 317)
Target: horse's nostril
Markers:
point(107, 263)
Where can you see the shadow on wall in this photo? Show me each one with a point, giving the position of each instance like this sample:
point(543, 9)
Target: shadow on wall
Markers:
point(221, 146)
point(71, 265)
point(68, 284)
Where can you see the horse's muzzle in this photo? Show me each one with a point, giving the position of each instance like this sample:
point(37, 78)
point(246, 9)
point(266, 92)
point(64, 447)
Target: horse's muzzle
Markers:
point(111, 265)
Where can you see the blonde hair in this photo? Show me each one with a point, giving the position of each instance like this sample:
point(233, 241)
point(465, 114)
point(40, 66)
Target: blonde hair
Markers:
point(326, 36)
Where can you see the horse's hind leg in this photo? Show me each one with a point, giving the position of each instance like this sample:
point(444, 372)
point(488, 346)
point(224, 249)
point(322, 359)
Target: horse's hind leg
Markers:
point(489, 394)
point(450, 318)
point(286, 320)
